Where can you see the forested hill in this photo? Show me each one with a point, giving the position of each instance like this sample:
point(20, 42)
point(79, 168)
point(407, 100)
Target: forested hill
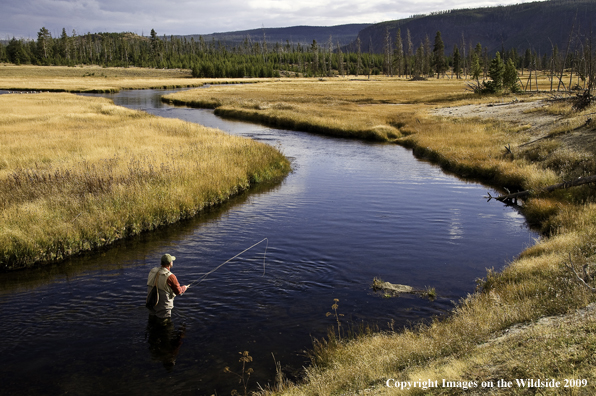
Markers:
point(537, 25)
point(303, 35)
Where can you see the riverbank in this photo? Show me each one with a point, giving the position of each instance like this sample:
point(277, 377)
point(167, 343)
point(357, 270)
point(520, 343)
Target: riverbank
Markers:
point(538, 284)
point(80, 173)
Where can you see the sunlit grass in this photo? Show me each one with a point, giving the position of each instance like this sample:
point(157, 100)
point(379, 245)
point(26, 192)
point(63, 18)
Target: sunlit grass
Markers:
point(77, 173)
point(349, 107)
point(338, 106)
point(97, 79)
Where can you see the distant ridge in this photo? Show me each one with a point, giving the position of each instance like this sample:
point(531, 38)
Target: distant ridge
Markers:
point(304, 35)
point(536, 25)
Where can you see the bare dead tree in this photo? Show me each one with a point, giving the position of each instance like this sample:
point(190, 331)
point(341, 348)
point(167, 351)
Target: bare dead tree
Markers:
point(569, 40)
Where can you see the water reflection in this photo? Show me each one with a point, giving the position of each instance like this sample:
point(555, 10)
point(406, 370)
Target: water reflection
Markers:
point(164, 340)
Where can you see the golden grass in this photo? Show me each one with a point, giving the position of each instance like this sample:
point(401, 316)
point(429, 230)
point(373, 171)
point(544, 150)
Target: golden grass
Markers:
point(336, 106)
point(78, 173)
point(347, 107)
point(98, 79)
point(462, 347)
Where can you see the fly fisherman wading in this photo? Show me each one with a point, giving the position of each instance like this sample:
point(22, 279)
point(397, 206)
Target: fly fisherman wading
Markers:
point(167, 285)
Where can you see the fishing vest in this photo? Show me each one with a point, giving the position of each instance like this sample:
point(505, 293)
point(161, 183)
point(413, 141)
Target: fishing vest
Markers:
point(162, 285)
point(164, 307)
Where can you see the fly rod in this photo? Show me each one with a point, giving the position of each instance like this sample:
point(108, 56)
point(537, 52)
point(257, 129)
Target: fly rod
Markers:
point(202, 278)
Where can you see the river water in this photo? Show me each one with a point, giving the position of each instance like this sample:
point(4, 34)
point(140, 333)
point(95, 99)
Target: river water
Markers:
point(350, 211)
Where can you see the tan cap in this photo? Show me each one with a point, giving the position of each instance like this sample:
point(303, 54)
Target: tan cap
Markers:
point(166, 259)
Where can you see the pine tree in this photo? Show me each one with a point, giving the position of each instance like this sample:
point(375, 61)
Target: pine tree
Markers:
point(476, 68)
point(315, 57)
point(65, 45)
point(439, 63)
point(495, 72)
point(3, 56)
point(456, 62)
point(359, 59)
point(44, 45)
point(510, 76)
point(154, 44)
point(17, 53)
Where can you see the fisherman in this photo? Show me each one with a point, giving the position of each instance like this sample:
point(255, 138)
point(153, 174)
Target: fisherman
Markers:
point(167, 286)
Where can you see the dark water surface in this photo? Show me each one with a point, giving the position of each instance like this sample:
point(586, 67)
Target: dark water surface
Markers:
point(350, 211)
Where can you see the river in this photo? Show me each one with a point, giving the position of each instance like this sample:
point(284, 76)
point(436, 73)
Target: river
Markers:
point(350, 211)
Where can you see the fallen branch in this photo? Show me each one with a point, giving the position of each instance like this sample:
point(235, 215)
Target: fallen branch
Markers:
point(514, 101)
point(394, 289)
point(559, 98)
point(512, 198)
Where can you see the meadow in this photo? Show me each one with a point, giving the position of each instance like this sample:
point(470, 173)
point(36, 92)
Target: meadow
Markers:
point(521, 322)
point(78, 173)
point(97, 79)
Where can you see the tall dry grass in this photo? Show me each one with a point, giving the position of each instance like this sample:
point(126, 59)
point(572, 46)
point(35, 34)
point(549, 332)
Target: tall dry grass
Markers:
point(356, 108)
point(339, 107)
point(98, 79)
point(77, 173)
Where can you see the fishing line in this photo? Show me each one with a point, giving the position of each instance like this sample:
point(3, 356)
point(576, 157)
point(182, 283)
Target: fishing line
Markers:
point(202, 278)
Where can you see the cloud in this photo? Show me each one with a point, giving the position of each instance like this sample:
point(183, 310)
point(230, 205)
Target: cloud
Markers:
point(24, 18)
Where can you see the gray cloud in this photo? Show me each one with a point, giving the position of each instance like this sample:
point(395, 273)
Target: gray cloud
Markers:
point(24, 18)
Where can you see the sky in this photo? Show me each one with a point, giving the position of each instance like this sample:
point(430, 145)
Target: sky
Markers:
point(24, 18)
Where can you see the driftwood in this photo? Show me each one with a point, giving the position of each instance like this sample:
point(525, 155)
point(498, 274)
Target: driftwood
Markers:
point(394, 289)
point(391, 288)
point(512, 198)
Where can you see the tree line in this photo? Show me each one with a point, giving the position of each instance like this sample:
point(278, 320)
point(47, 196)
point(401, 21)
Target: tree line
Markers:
point(258, 58)
point(252, 58)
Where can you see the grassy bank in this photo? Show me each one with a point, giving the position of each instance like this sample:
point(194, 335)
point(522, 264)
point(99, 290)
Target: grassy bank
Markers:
point(354, 108)
point(79, 173)
point(497, 332)
point(98, 79)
